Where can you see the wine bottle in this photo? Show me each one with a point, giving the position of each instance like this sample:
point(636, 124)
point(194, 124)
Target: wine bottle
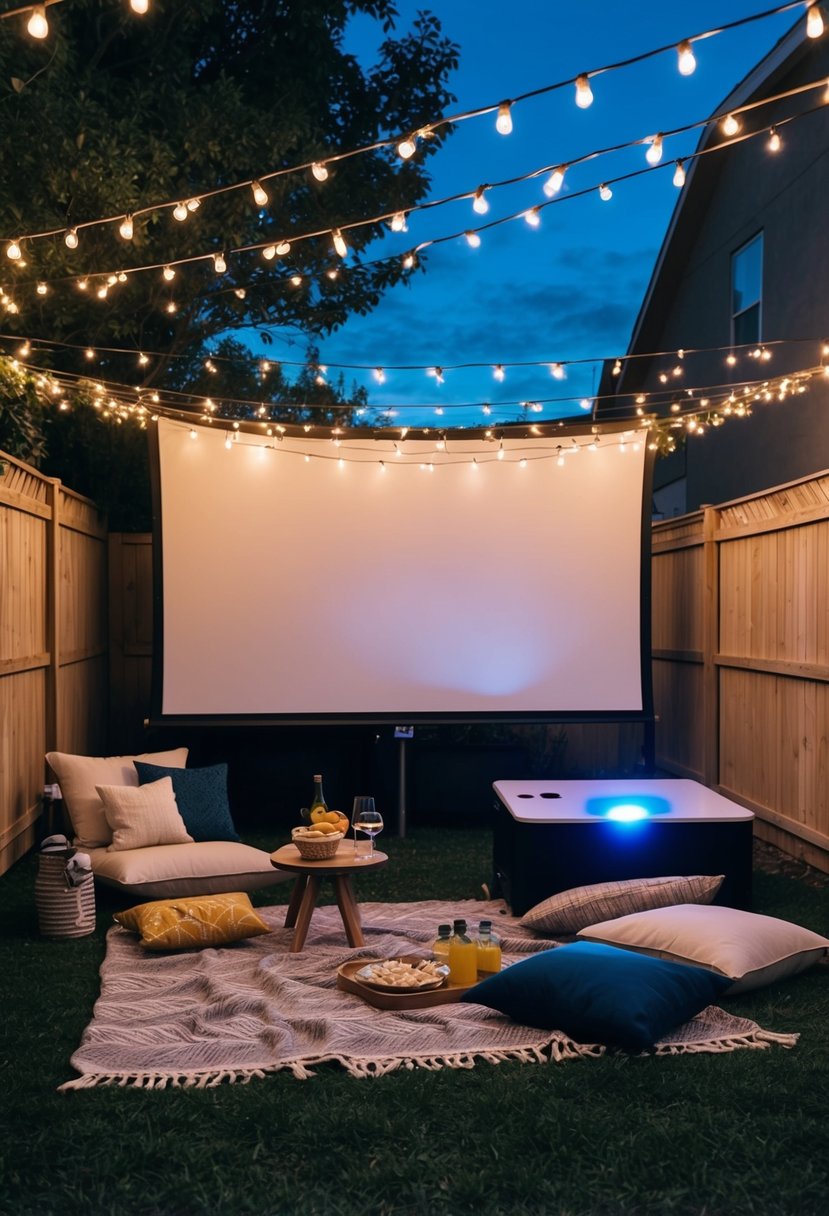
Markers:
point(318, 802)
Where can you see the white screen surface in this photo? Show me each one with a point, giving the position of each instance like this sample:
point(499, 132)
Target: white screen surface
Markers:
point(361, 583)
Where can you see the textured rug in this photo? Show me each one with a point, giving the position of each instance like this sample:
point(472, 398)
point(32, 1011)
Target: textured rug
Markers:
point(203, 1017)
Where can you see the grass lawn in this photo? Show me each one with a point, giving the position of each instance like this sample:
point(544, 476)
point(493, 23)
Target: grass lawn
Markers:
point(709, 1135)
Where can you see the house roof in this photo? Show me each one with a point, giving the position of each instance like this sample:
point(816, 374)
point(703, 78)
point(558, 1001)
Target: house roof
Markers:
point(701, 179)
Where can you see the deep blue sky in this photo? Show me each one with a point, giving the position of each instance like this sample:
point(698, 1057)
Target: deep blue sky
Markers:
point(572, 288)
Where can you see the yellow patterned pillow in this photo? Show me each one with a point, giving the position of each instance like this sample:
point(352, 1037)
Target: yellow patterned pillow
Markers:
point(200, 920)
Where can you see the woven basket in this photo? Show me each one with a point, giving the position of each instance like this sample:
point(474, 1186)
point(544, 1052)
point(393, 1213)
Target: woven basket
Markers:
point(63, 911)
point(318, 848)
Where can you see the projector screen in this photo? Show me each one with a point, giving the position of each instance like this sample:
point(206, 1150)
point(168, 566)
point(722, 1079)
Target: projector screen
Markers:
point(299, 580)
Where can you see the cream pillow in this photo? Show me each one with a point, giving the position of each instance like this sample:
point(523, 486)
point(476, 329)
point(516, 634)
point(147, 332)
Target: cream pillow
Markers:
point(78, 776)
point(750, 949)
point(143, 816)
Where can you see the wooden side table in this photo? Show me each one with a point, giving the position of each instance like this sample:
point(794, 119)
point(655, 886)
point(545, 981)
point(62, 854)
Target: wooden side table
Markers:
point(309, 877)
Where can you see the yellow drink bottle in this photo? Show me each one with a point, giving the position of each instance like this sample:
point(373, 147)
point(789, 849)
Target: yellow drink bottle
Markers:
point(488, 949)
point(440, 946)
point(463, 956)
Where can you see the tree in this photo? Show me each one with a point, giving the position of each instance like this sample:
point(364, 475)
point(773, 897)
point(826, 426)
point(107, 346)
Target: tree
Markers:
point(113, 113)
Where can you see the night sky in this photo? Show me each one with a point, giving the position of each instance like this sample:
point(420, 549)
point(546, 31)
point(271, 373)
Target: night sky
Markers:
point(570, 289)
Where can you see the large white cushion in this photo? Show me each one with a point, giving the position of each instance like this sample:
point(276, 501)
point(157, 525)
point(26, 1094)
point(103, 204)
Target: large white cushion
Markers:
point(77, 777)
point(143, 816)
point(171, 871)
point(751, 949)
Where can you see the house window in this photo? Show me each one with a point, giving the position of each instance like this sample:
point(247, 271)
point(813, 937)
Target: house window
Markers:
point(747, 291)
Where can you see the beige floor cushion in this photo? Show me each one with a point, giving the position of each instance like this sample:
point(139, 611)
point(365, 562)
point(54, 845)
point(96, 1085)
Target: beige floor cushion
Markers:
point(169, 871)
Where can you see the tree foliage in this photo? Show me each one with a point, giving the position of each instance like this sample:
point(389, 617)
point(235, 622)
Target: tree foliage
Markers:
point(113, 113)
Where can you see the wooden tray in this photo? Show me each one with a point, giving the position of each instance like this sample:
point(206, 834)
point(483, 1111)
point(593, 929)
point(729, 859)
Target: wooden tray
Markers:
point(347, 981)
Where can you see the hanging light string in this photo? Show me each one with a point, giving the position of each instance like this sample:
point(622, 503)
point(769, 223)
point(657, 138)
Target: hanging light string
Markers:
point(319, 167)
point(29, 347)
point(38, 24)
point(270, 247)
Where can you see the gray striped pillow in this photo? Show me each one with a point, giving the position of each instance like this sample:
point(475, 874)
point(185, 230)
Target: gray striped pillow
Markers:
point(572, 910)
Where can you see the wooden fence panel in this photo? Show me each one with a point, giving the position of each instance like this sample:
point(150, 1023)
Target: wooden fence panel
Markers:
point(53, 643)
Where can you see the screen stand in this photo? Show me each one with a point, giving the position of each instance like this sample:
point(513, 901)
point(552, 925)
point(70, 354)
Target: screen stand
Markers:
point(402, 734)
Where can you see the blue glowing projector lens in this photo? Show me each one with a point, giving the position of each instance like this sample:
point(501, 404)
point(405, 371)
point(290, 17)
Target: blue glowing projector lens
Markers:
point(627, 812)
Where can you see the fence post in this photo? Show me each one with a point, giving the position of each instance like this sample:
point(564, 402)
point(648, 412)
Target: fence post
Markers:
point(53, 617)
point(710, 647)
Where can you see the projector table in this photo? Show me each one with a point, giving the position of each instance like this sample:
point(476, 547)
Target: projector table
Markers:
point(550, 836)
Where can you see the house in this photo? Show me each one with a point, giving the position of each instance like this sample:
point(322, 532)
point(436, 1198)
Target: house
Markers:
point(739, 290)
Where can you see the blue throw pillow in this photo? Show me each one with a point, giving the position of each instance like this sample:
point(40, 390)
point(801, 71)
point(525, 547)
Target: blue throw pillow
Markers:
point(600, 994)
point(201, 795)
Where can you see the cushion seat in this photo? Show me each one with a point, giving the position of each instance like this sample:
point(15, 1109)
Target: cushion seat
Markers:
point(167, 871)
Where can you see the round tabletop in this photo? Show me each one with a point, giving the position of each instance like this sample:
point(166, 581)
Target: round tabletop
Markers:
point(343, 861)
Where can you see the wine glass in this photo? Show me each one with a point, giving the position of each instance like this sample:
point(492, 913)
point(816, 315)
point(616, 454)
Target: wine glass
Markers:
point(365, 818)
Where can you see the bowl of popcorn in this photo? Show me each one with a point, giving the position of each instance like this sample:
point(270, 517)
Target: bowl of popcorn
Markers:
point(402, 975)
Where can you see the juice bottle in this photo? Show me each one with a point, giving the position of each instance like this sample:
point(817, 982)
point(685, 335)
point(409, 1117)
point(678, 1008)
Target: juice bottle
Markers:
point(488, 949)
point(440, 946)
point(463, 956)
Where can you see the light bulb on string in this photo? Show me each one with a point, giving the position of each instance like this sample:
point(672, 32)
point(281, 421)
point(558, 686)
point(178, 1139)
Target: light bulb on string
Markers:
point(408, 260)
point(503, 123)
point(90, 353)
point(605, 193)
point(42, 289)
point(296, 280)
point(730, 125)
point(168, 273)
point(532, 217)
point(139, 6)
point(260, 194)
point(585, 403)
point(13, 250)
point(479, 202)
point(557, 371)
point(654, 153)
point(584, 94)
point(775, 143)
point(814, 21)
point(283, 247)
point(180, 212)
point(193, 204)
point(407, 147)
point(555, 181)
point(686, 62)
point(38, 26)
point(125, 228)
point(679, 175)
point(219, 263)
point(398, 222)
point(339, 243)
point(472, 239)
point(70, 238)
point(319, 171)
point(269, 253)
point(379, 375)
point(498, 372)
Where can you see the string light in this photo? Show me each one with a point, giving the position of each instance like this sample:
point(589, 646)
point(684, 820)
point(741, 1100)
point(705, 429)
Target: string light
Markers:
point(125, 228)
point(679, 175)
point(472, 239)
point(219, 263)
point(169, 273)
point(503, 123)
point(654, 153)
point(407, 147)
point(398, 222)
point(775, 143)
point(139, 6)
point(532, 217)
point(13, 250)
point(70, 238)
point(320, 171)
point(479, 203)
point(498, 372)
point(339, 243)
point(180, 212)
point(260, 194)
point(686, 63)
point(42, 289)
point(584, 94)
point(730, 125)
point(814, 21)
point(605, 193)
point(38, 26)
point(555, 181)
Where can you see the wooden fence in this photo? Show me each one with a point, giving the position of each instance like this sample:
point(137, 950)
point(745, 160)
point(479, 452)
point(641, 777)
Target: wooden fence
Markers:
point(741, 657)
point(53, 640)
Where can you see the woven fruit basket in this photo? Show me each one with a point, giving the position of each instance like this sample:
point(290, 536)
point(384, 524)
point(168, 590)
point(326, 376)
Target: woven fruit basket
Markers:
point(316, 848)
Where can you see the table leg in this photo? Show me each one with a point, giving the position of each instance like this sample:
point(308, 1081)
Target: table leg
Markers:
point(295, 901)
point(349, 911)
point(303, 919)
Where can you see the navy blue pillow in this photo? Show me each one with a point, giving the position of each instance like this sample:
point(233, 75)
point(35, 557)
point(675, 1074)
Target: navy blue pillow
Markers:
point(600, 994)
point(201, 795)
